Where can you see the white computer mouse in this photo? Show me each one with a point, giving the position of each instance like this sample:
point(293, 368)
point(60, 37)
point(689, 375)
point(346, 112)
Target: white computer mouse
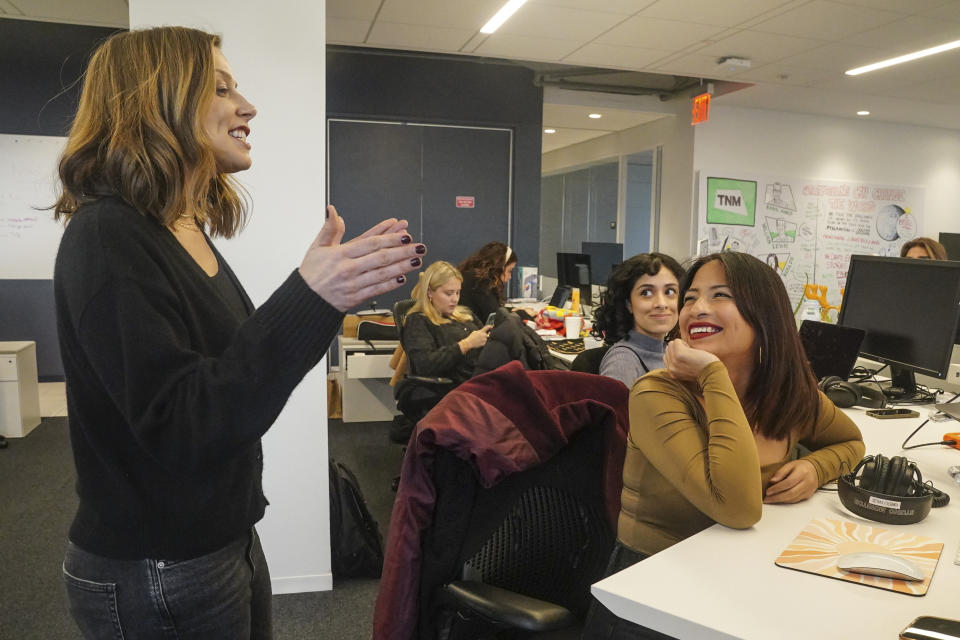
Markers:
point(875, 563)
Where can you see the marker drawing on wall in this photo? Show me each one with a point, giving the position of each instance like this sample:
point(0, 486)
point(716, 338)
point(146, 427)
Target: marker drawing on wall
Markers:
point(779, 196)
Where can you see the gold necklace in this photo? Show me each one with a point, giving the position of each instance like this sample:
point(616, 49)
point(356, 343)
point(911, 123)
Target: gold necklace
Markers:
point(186, 222)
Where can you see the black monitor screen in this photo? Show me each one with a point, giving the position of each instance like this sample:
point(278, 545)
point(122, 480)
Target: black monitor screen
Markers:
point(573, 270)
point(951, 242)
point(910, 311)
point(604, 257)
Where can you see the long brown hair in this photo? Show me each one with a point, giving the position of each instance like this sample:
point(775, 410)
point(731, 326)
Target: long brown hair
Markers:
point(138, 133)
point(935, 250)
point(487, 266)
point(782, 395)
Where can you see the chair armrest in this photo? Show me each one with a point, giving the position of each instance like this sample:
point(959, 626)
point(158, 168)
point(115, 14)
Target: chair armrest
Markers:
point(429, 380)
point(507, 607)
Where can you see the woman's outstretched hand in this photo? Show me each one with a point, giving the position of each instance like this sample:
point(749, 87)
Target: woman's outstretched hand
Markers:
point(375, 262)
point(684, 362)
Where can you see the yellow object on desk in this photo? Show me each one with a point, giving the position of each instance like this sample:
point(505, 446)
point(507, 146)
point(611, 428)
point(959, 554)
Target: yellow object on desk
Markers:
point(575, 301)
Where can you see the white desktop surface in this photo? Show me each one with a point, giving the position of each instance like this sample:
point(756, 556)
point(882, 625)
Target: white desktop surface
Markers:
point(723, 583)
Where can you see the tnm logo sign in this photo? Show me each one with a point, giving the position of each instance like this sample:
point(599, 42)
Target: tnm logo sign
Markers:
point(729, 200)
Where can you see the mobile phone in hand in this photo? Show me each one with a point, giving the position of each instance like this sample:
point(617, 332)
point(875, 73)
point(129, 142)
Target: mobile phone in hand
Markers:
point(887, 414)
point(491, 318)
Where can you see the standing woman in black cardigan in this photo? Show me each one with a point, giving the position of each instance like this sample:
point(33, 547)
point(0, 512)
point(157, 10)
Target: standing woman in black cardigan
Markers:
point(484, 275)
point(172, 375)
point(440, 337)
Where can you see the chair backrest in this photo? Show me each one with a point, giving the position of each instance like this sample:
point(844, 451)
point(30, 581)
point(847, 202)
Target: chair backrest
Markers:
point(542, 532)
point(400, 309)
point(589, 361)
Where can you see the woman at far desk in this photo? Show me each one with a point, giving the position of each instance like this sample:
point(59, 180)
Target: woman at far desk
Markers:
point(713, 437)
point(484, 275)
point(442, 338)
point(923, 249)
point(638, 310)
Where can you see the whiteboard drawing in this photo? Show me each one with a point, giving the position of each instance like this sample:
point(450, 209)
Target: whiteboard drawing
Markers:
point(780, 195)
point(781, 230)
point(887, 219)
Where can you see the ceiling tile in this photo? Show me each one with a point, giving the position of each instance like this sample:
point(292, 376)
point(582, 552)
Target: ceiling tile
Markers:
point(834, 57)
point(653, 33)
point(949, 11)
point(108, 13)
point(909, 34)
point(461, 14)
point(725, 14)
point(822, 20)
point(568, 116)
point(341, 31)
point(759, 47)
point(938, 91)
point(566, 137)
point(623, 7)
point(944, 65)
point(560, 23)
point(353, 9)
point(611, 56)
point(778, 73)
point(902, 6)
point(505, 45)
point(411, 36)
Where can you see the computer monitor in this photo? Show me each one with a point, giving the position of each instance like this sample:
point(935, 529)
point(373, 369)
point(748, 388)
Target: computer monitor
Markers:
point(910, 310)
point(573, 270)
point(951, 242)
point(604, 258)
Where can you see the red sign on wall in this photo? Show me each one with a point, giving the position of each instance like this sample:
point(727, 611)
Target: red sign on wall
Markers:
point(466, 202)
point(701, 108)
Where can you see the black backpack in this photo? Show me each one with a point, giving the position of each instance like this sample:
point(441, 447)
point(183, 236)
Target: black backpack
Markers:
point(356, 546)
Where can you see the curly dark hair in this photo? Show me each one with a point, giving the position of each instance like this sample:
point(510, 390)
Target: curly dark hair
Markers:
point(487, 265)
point(611, 319)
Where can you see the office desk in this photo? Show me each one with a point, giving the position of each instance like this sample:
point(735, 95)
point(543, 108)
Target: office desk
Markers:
point(365, 379)
point(723, 583)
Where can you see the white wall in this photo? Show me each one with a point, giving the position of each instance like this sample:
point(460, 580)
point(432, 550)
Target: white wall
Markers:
point(675, 135)
point(808, 146)
point(276, 51)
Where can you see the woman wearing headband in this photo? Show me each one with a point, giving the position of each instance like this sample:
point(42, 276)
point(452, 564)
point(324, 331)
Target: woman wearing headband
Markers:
point(484, 275)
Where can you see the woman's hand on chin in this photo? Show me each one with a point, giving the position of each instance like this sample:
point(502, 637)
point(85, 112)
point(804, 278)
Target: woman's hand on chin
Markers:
point(347, 274)
point(684, 362)
point(795, 481)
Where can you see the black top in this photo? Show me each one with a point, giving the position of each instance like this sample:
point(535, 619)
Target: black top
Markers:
point(432, 349)
point(168, 391)
point(481, 300)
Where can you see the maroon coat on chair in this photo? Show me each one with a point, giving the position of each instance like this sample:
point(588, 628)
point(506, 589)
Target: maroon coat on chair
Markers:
point(502, 422)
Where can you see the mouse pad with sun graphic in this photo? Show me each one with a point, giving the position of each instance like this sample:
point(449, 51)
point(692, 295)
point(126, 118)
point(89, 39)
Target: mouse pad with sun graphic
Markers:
point(822, 541)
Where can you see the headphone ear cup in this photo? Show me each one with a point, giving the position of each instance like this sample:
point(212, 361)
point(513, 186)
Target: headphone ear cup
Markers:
point(841, 393)
point(872, 472)
point(895, 483)
point(827, 381)
point(870, 398)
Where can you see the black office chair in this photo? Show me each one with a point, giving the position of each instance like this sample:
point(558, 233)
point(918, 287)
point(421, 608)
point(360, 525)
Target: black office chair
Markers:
point(415, 394)
point(518, 558)
point(589, 361)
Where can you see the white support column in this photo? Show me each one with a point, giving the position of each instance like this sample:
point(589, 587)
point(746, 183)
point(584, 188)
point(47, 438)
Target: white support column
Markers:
point(277, 53)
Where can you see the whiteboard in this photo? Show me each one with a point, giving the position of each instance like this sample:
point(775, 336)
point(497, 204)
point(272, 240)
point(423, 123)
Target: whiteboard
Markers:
point(806, 229)
point(29, 237)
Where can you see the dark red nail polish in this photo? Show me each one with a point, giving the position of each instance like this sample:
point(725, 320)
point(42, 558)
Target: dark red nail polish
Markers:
point(415, 262)
point(421, 249)
point(326, 213)
point(406, 240)
point(401, 279)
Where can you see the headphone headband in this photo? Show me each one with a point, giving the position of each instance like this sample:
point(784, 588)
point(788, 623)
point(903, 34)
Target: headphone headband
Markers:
point(907, 498)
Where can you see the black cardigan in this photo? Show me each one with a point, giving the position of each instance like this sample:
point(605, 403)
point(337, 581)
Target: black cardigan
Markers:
point(432, 349)
point(168, 391)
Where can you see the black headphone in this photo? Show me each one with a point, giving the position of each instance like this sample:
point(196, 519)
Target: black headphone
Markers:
point(847, 394)
point(889, 490)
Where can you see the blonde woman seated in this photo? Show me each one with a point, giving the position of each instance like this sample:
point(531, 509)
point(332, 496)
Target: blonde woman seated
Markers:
point(440, 337)
point(713, 436)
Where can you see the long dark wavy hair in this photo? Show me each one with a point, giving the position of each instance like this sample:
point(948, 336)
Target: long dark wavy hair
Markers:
point(612, 320)
point(782, 393)
point(487, 265)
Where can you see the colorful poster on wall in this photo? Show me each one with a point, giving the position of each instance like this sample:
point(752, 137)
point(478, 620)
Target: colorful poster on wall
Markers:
point(806, 229)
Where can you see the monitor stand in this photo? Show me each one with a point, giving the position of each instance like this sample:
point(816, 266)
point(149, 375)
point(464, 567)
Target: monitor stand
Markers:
point(903, 384)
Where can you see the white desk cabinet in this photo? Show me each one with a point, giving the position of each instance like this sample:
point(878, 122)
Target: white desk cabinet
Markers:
point(19, 394)
point(365, 380)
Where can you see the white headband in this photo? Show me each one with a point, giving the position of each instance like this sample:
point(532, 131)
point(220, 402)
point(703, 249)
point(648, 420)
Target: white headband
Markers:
point(509, 253)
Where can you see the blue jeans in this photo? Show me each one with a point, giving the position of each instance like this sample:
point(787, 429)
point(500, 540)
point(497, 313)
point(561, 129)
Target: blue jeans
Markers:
point(225, 594)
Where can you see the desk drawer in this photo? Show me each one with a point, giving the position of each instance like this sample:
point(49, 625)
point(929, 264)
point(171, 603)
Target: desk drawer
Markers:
point(368, 365)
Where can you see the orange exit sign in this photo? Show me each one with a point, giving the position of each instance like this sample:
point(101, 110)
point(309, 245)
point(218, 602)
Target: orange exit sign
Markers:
point(701, 108)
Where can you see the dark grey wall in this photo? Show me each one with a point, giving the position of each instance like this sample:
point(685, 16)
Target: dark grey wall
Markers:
point(40, 65)
point(369, 84)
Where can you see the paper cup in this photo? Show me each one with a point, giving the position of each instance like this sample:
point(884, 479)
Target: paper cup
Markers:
point(571, 326)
